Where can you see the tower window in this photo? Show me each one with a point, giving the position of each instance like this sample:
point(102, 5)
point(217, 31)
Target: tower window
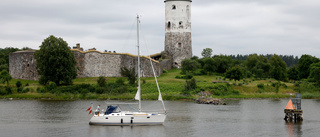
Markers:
point(169, 25)
point(173, 7)
point(180, 23)
point(179, 44)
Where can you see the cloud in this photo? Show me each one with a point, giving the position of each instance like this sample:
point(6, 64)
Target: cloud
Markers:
point(227, 26)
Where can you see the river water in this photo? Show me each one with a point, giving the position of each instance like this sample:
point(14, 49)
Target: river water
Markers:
point(250, 118)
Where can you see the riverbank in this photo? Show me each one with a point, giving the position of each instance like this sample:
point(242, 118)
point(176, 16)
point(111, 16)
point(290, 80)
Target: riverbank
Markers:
point(172, 88)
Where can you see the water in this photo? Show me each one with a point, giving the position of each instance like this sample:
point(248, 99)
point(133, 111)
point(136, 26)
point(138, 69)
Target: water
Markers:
point(238, 118)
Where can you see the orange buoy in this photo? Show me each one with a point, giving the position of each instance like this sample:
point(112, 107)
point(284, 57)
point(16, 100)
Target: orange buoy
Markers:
point(290, 105)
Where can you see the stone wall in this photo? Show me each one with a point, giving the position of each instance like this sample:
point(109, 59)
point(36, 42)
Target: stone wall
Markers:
point(178, 45)
point(22, 64)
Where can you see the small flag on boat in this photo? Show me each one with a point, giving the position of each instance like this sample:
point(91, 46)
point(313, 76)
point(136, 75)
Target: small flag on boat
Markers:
point(89, 108)
point(90, 112)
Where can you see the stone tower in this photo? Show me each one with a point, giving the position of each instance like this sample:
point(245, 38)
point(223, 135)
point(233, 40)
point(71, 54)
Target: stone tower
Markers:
point(178, 30)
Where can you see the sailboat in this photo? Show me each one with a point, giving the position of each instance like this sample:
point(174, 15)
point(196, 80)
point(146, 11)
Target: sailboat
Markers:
point(115, 116)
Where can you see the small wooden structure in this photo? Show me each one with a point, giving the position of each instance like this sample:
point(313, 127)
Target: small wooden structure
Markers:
point(293, 109)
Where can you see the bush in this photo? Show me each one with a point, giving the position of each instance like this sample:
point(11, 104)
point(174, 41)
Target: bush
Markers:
point(25, 90)
point(27, 84)
point(102, 81)
point(9, 90)
point(18, 84)
point(3, 91)
point(221, 89)
point(100, 90)
point(41, 90)
point(19, 89)
point(52, 86)
point(164, 71)
point(190, 84)
point(260, 86)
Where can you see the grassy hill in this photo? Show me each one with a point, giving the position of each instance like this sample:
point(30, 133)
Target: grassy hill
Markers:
point(171, 88)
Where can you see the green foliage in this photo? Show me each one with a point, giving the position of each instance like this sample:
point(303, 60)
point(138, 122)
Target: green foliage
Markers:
point(234, 73)
point(55, 62)
point(304, 64)
point(5, 77)
point(209, 66)
point(293, 73)
point(278, 68)
point(52, 86)
point(130, 74)
point(164, 71)
point(260, 86)
point(188, 65)
point(315, 73)
point(190, 84)
point(4, 57)
point(101, 81)
point(221, 89)
point(222, 63)
point(25, 90)
point(258, 65)
point(18, 84)
point(206, 53)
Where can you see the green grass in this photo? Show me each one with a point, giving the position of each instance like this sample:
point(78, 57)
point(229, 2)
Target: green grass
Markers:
point(170, 87)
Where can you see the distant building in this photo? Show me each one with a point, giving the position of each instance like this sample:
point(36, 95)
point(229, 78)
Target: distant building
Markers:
point(178, 43)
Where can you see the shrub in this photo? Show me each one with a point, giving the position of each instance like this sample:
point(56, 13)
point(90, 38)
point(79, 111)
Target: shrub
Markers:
point(41, 90)
point(100, 90)
point(52, 86)
point(164, 71)
point(102, 81)
point(19, 89)
point(190, 84)
point(18, 84)
point(27, 84)
point(260, 86)
point(25, 90)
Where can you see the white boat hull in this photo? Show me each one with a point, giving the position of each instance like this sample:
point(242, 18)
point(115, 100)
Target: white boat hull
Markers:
point(125, 118)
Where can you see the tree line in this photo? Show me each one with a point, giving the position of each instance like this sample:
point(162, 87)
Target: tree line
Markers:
point(254, 66)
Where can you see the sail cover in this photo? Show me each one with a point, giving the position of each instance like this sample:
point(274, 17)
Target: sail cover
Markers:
point(137, 97)
point(160, 97)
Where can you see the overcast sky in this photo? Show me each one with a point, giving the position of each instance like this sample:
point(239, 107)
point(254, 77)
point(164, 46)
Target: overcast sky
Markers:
point(287, 27)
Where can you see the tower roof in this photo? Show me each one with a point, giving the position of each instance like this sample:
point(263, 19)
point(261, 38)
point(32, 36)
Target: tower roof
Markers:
point(178, 0)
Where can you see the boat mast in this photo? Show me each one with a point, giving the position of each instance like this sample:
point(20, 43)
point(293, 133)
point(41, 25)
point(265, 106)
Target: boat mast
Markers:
point(138, 63)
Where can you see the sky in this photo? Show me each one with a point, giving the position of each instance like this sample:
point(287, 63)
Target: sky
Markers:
point(286, 27)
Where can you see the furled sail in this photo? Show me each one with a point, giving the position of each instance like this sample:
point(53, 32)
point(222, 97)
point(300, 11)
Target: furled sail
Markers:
point(137, 97)
point(160, 97)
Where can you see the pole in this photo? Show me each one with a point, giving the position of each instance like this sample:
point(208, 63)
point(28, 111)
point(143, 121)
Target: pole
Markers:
point(139, 85)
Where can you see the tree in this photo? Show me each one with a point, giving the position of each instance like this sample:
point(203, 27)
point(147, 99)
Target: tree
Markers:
point(293, 73)
point(222, 63)
point(315, 73)
point(188, 65)
point(5, 77)
point(304, 64)
point(55, 62)
point(206, 53)
point(209, 65)
point(278, 68)
point(234, 73)
point(129, 73)
point(258, 65)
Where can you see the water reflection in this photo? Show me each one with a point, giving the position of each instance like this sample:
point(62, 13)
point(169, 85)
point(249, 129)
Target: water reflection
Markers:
point(294, 128)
